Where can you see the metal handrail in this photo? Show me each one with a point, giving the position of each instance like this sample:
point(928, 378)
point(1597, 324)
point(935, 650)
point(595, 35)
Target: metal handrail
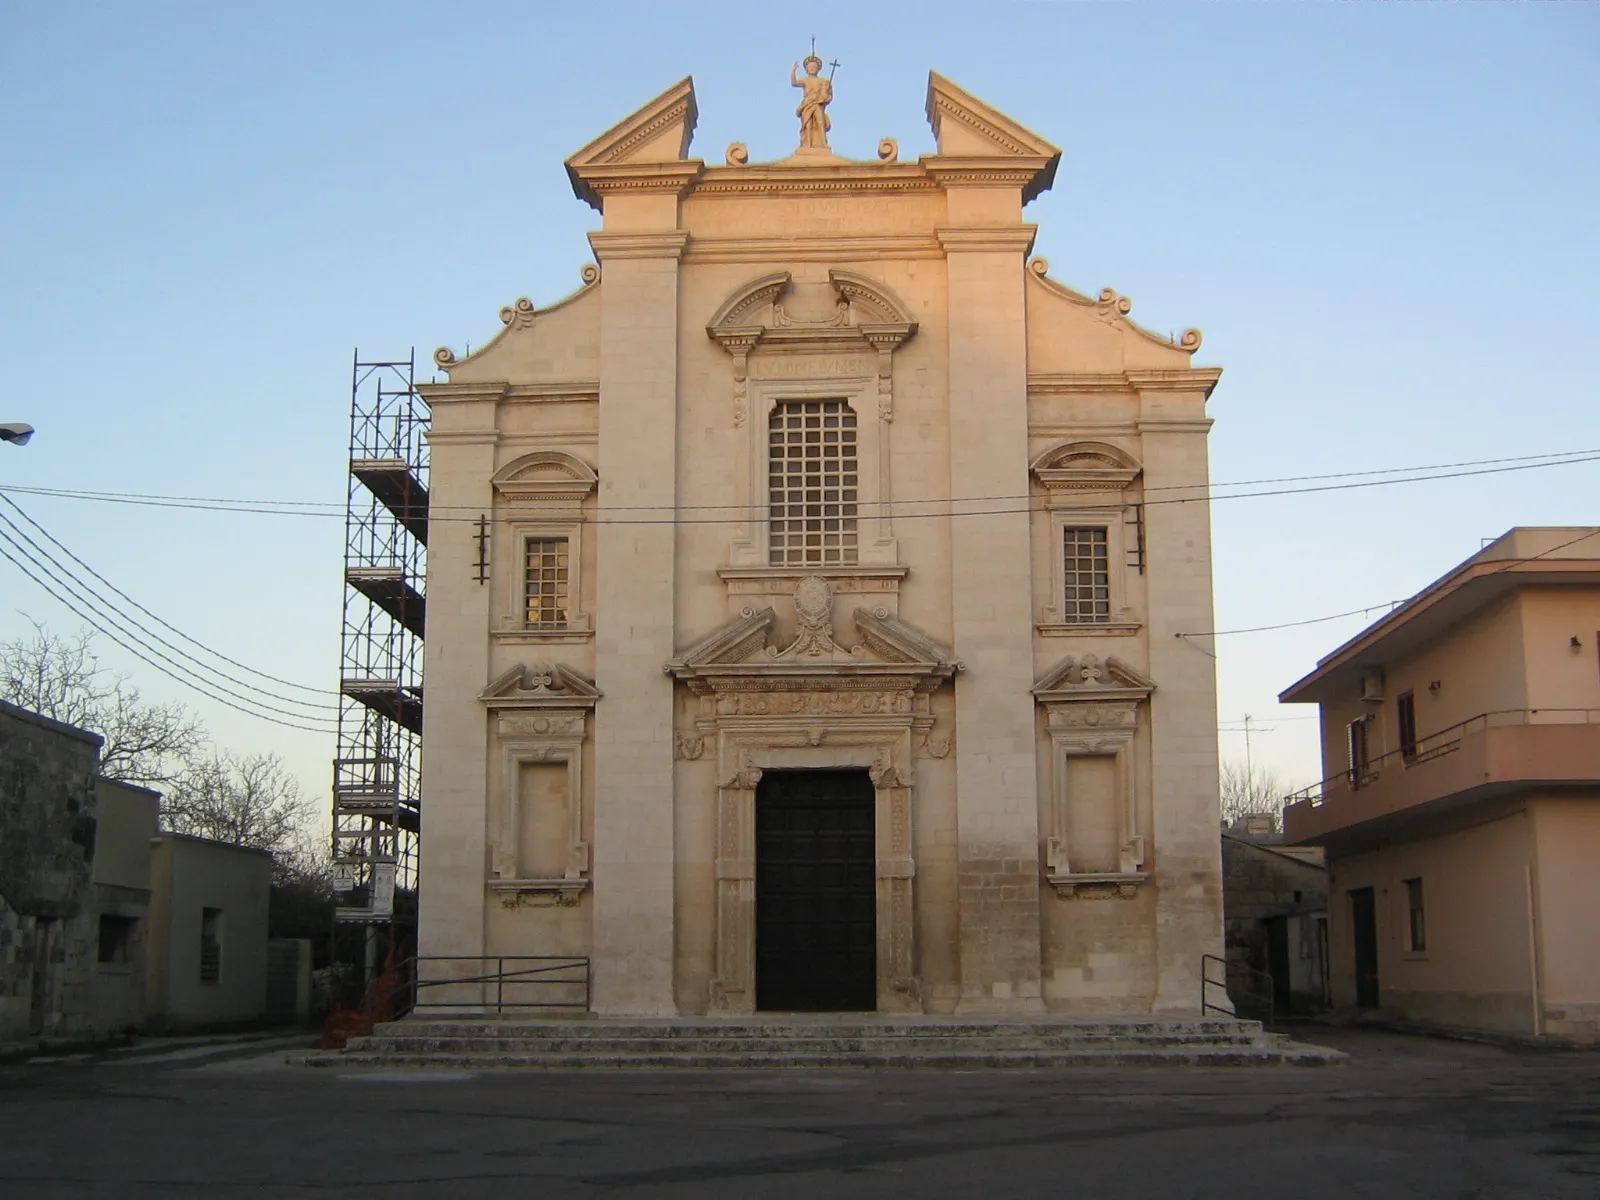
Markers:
point(565, 970)
point(1438, 744)
point(1206, 981)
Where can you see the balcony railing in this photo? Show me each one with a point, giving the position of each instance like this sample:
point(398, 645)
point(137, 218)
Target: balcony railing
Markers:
point(1435, 745)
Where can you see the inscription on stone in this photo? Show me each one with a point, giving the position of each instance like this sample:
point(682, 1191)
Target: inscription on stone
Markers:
point(813, 366)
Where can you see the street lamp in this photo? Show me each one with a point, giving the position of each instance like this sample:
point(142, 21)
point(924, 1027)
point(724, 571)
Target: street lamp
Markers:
point(16, 431)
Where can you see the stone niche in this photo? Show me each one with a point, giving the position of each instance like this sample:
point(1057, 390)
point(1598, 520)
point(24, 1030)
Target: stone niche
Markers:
point(538, 853)
point(1096, 841)
point(811, 704)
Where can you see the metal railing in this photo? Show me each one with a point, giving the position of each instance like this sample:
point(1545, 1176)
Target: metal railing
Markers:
point(1435, 745)
point(534, 981)
point(1206, 983)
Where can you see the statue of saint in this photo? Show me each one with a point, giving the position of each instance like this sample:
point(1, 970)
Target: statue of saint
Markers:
point(813, 110)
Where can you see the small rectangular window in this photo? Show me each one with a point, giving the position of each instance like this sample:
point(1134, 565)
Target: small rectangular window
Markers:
point(116, 934)
point(1406, 711)
point(1086, 572)
point(1356, 748)
point(210, 945)
point(1416, 926)
point(545, 583)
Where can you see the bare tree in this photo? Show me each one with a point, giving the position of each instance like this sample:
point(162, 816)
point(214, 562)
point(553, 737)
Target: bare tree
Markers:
point(145, 743)
point(1248, 791)
point(246, 800)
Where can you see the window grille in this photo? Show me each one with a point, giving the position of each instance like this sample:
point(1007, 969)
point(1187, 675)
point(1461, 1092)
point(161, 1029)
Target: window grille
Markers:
point(210, 945)
point(1416, 925)
point(1087, 572)
point(812, 483)
point(546, 583)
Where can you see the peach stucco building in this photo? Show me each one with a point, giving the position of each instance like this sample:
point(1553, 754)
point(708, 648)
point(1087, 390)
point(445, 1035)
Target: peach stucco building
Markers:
point(817, 650)
point(1461, 816)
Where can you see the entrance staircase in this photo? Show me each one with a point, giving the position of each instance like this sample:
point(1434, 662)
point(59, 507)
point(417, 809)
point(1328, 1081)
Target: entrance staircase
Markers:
point(833, 1041)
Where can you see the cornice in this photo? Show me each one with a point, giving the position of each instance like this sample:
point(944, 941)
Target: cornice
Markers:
point(447, 393)
point(952, 171)
point(1192, 379)
point(1079, 384)
point(1198, 425)
point(813, 248)
point(463, 437)
point(638, 245)
point(776, 179)
point(552, 391)
point(1010, 239)
point(640, 177)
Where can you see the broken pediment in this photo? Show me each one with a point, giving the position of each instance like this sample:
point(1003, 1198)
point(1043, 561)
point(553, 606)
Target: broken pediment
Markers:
point(648, 148)
point(1089, 677)
point(775, 310)
point(964, 127)
point(546, 476)
point(744, 646)
point(541, 685)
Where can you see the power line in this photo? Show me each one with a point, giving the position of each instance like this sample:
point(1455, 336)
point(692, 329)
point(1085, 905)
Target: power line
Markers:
point(1556, 457)
point(166, 625)
point(1392, 605)
point(68, 578)
point(1035, 505)
point(86, 618)
point(126, 627)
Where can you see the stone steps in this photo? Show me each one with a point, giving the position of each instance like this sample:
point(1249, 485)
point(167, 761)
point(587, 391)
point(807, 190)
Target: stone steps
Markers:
point(819, 1042)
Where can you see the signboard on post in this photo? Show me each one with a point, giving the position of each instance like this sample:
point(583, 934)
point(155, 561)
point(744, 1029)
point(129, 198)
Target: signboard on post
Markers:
point(344, 877)
point(383, 889)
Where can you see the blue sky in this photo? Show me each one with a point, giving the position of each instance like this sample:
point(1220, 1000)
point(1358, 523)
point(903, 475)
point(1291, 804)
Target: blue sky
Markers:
point(1381, 215)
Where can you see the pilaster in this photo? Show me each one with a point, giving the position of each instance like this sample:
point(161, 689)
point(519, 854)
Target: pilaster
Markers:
point(1187, 862)
point(991, 589)
point(454, 730)
point(634, 607)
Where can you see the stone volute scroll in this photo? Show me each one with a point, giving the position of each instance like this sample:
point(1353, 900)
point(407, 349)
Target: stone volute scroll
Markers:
point(1097, 841)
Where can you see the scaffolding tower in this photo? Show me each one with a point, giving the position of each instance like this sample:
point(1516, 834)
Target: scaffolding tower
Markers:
point(376, 776)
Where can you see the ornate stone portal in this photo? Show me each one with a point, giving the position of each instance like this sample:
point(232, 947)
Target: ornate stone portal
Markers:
point(807, 705)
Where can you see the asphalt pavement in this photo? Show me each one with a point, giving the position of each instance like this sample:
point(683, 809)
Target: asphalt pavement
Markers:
point(1408, 1117)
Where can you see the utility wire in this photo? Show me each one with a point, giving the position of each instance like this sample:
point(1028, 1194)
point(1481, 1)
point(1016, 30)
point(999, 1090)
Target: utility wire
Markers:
point(86, 618)
point(166, 625)
point(125, 627)
point(335, 509)
point(510, 511)
point(137, 629)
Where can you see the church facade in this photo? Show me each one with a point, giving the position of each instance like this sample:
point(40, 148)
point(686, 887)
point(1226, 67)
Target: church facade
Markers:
point(816, 648)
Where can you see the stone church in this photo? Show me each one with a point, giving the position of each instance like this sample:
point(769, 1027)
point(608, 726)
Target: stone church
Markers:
point(816, 648)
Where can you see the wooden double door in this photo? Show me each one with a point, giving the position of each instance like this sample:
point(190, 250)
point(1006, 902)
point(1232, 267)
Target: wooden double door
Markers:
point(816, 892)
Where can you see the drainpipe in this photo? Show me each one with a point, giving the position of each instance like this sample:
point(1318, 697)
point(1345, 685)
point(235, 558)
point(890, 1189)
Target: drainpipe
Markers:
point(1533, 953)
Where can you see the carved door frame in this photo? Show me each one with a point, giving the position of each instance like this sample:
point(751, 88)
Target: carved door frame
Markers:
point(883, 749)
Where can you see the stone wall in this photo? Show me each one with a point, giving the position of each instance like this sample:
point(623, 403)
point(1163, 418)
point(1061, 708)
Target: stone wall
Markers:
point(1262, 886)
point(47, 917)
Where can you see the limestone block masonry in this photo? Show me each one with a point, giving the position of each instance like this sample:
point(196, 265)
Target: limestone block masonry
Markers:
point(821, 631)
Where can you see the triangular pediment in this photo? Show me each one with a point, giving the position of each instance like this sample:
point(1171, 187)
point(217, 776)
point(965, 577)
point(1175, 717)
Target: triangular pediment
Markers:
point(1089, 677)
point(541, 685)
point(894, 640)
point(964, 125)
point(659, 133)
point(745, 637)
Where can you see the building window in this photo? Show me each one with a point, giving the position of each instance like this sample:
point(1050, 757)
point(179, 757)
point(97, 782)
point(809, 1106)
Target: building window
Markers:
point(210, 945)
point(1356, 748)
point(116, 934)
point(1416, 926)
point(812, 483)
point(545, 577)
point(1406, 711)
point(1086, 569)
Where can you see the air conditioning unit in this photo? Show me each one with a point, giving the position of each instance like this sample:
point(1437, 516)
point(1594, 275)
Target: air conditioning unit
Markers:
point(1372, 686)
